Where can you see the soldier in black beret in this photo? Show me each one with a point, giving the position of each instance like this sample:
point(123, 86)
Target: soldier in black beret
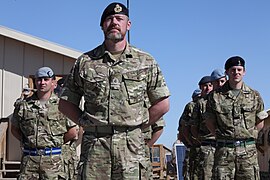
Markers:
point(115, 24)
point(205, 79)
point(116, 80)
point(235, 114)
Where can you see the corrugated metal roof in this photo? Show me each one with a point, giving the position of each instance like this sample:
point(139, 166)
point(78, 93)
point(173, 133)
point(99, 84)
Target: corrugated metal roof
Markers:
point(4, 31)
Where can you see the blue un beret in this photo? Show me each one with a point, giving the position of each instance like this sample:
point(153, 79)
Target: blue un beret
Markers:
point(196, 93)
point(234, 61)
point(205, 79)
point(217, 74)
point(113, 8)
point(44, 72)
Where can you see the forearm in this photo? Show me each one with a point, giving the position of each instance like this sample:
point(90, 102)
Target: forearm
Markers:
point(260, 125)
point(70, 110)
point(187, 135)
point(16, 132)
point(194, 131)
point(155, 137)
point(211, 126)
point(157, 110)
point(71, 134)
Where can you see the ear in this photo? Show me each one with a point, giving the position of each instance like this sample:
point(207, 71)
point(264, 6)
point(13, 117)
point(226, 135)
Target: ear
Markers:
point(128, 25)
point(54, 83)
point(244, 72)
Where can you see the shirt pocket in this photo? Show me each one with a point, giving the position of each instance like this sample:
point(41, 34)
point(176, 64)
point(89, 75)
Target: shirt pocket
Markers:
point(224, 114)
point(95, 88)
point(57, 124)
point(28, 123)
point(249, 115)
point(135, 83)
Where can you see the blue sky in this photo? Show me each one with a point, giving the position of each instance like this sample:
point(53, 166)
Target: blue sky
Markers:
point(188, 38)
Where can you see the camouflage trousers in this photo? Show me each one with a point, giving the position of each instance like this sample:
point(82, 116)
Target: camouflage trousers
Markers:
point(186, 165)
point(206, 162)
point(193, 163)
point(71, 160)
point(42, 167)
point(236, 163)
point(119, 156)
point(147, 172)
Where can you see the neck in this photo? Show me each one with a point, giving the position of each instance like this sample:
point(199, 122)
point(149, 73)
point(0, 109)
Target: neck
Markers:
point(114, 47)
point(44, 96)
point(236, 85)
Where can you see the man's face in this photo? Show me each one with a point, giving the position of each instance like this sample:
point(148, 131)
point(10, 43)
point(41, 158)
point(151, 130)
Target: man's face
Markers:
point(44, 84)
point(206, 88)
point(115, 27)
point(236, 74)
point(219, 82)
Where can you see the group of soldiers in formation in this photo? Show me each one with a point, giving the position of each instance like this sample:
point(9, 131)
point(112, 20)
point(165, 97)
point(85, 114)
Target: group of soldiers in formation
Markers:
point(220, 126)
point(125, 97)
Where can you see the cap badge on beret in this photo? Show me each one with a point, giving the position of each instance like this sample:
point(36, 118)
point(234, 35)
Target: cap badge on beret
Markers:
point(117, 8)
point(44, 72)
point(234, 61)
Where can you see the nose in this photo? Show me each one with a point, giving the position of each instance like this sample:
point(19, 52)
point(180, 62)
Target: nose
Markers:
point(114, 20)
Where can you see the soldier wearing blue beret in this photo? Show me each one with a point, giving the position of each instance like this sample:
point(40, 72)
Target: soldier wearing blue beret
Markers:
point(42, 130)
point(218, 78)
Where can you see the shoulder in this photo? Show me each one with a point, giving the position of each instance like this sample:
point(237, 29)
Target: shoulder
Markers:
point(140, 54)
point(190, 105)
point(26, 100)
point(54, 99)
point(248, 89)
point(95, 53)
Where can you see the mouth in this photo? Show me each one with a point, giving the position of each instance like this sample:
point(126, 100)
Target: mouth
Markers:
point(113, 29)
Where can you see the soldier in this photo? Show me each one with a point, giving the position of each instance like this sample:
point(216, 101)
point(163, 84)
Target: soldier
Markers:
point(204, 162)
point(235, 113)
point(114, 78)
point(218, 78)
point(42, 130)
point(184, 135)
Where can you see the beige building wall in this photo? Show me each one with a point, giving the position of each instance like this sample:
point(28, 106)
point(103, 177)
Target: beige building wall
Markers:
point(18, 60)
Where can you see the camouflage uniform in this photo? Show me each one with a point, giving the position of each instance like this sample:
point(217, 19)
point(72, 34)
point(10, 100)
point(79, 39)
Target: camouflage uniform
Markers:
point(114, 109)
point(147, 132)
point(191, 150)
point(235, 117)
point(71, 159)
point(42, 127)
point(207, 142)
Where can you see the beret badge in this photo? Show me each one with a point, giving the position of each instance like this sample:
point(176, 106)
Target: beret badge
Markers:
point(117, 8)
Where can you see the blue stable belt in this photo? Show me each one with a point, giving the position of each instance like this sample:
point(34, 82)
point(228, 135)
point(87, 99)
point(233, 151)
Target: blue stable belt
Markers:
point(42, 151)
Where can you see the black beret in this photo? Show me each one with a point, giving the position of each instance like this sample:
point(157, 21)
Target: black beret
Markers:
point(113, 8)
point(234, 61)
point(205, 79)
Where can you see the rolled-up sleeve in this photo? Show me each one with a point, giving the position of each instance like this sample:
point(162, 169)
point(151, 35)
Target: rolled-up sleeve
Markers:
point(157, 88)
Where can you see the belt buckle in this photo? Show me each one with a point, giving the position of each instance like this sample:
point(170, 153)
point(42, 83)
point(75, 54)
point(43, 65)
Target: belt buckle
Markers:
point(41, 152)
point(237, 143)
